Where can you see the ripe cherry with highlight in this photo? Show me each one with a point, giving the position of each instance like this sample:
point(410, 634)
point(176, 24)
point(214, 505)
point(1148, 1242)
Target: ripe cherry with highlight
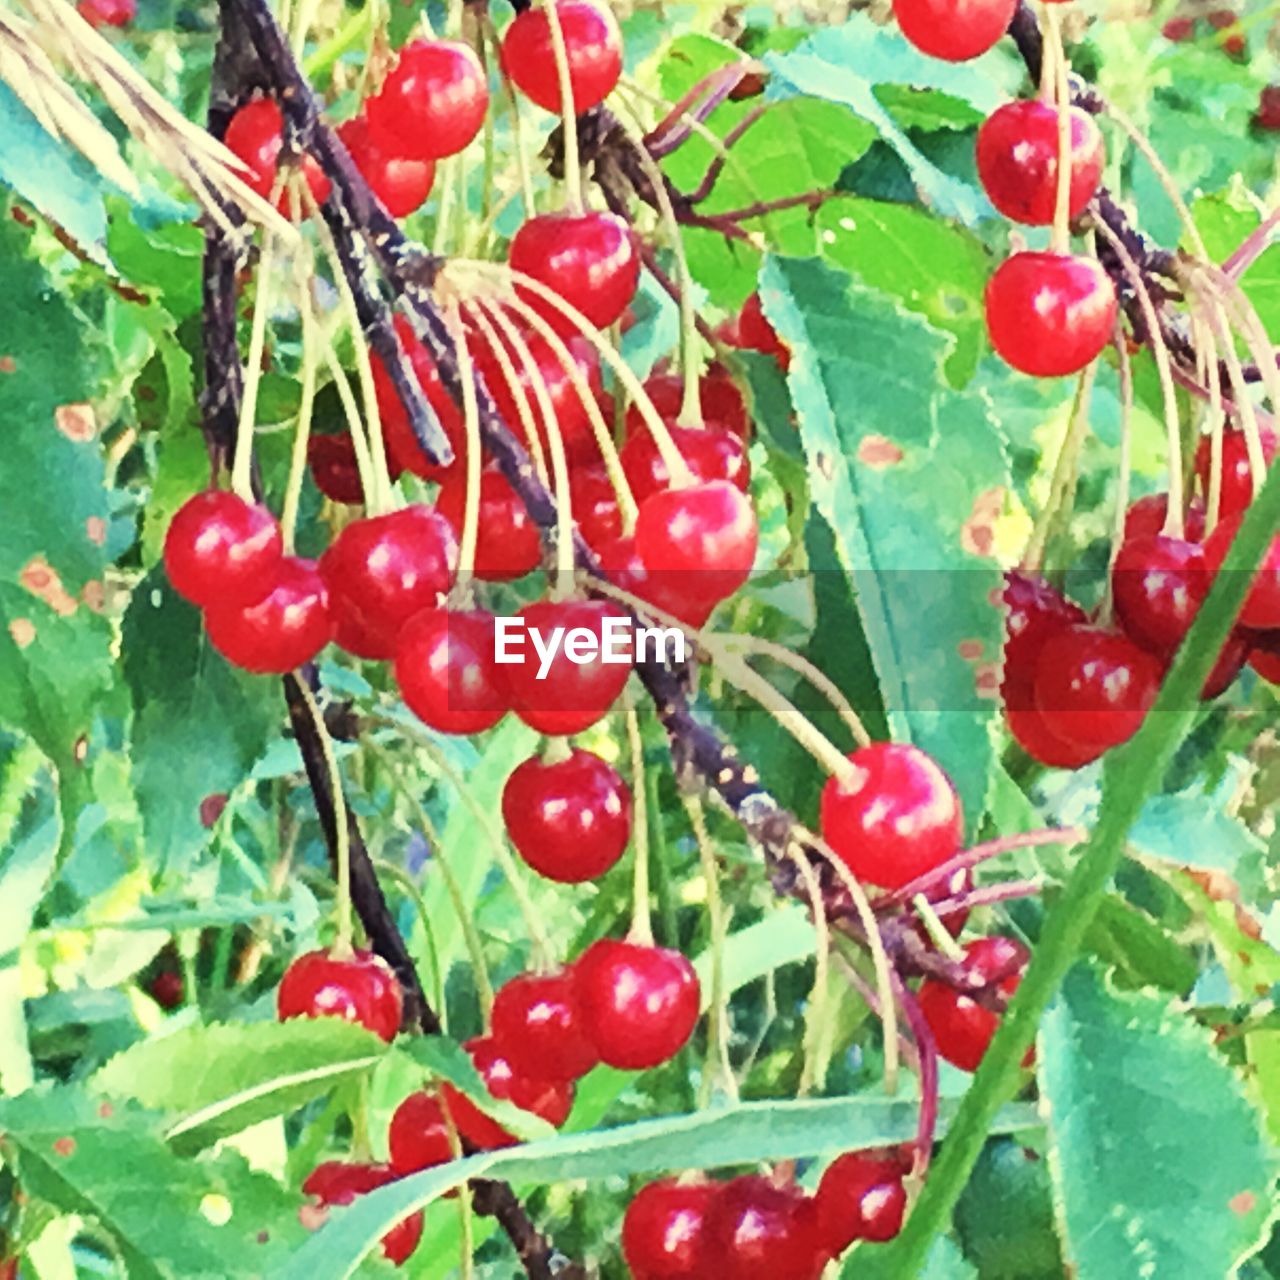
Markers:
point(221, 550)
point(358, 988)
point(593, 45)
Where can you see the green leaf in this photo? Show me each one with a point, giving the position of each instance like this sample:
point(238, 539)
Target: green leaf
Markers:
point(932, 267)
point(1195, 828)
point(1142, 951)
point(50, 173)
point(742, 1134)
point(1158, 1157)
point(168, 1217)
point(159, 254)
point(909, 475)
point(217, 1080)
point(847, 63)
point(178, 682)
point(54, 647)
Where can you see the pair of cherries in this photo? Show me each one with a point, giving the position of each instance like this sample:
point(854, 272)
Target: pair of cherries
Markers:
point(264, 611)
point(1048, 313)
point(753, 1228)
point(625, 1004)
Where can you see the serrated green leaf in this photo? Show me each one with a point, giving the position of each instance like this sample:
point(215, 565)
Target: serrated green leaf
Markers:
point(217, 1080)
point(1158, 1157)
point(54, 654)
point(932, 267)
point(909, 476)
point(50, 173)
point(178, 680)
point(1195, 828)
point(169, 1217)
point(742, 1134)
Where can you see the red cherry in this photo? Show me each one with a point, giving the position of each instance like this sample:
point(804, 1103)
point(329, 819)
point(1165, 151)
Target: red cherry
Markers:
point(570, 820)
point(1039, 742)
point(360, 988)
point(963, 1028)
point(332, 460)
point(664, 1231)
point(1266, 662)
point(552, 1100)
point(255, 135)
point(167, 989)
point(592, 42)
point(221, 550)
point(433, 102)
point(1179, 30)
point(563, 696)
point(1231, 659)
point(700, 539)
point(1267, 115)
point(1017, 155)
point(1237, 477)
point(723, 407)
point(588, 259)
point(621, 564)
point(446, 672)
point(337, 1183)
point(403, 448)
point(895, 818)
point(1050, 313)
point(109, 13)
point(1093, 687)
point(508, 544)
point(567, 406)
point(595, 506)
point(954, 32)
point(1146, 518)
point(1261, 609)
point(751, 331)
point(861, 1197)
point(539, 1024)
point(1158, 584)
point(710, 454)
point(283, 630)
point(401, 184)
point(382, 570)
point(641, 1003)
point(758, 1231)
point(419, 1136)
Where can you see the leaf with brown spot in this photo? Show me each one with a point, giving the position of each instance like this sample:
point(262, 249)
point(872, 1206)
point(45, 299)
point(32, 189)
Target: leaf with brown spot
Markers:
point(76, 422)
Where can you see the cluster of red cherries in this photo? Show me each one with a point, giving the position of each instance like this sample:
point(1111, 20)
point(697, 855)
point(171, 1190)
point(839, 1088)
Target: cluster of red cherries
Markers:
point(1048, 313)
point(625, 1004)
point(1074, 688)
point(757, 1228)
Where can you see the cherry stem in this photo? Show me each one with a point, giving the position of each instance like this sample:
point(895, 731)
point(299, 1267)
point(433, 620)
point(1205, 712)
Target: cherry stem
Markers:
point(879, 956)
point(938, 932)
point(600, 429)
point(641, 931)
point(475, 451)
point(355, 427)
point(342, 835)
point(814, 1071)
point(867, 993)
point(242, 464)
point(479, 313)
point(564, 74)
point(980, 853)
point(1251, 247)
point(1056, 57)
point(517, 120)
point(718, 1029)
point(444, 208)
point(690, 353)
point(306, 405)
point(563, 585)
point(693, 108)
point(800, 664)
point(1173, 524)
point(1126, 465)
point(1062, 482)
point(542, 950)
point(409, 887)
point(672, 458)
point(1207, 345)
point(927, 1065)
point(383, 496)
point(556, 750)
point(466, 919)
point(988, 894)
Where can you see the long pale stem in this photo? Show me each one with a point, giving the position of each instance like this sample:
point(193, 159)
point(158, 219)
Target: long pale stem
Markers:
point(242, 463)
point(475, 450)
point(569, 122)
point(641, 930)
point(306, 404)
